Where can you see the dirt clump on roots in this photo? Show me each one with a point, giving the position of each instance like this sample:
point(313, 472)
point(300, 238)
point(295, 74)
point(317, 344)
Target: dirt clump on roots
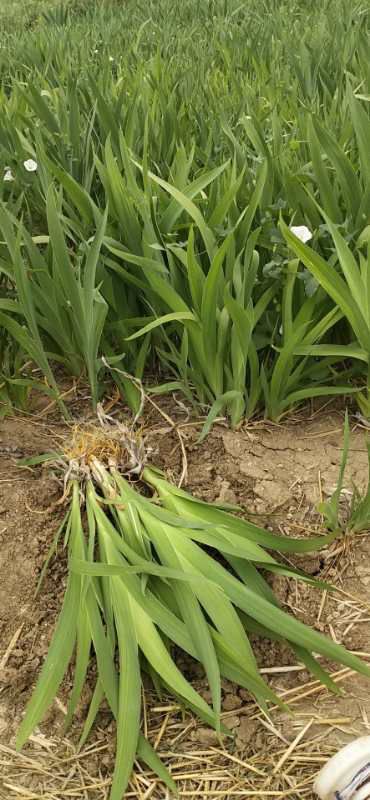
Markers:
point(278, 474)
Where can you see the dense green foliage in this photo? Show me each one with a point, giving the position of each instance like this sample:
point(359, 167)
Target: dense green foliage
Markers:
point(176, 144)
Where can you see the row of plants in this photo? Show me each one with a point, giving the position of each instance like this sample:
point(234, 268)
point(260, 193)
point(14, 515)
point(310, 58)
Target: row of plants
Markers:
point(148, 207)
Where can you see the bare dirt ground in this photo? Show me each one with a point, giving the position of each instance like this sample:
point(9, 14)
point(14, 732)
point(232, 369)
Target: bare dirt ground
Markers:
point(278, 473)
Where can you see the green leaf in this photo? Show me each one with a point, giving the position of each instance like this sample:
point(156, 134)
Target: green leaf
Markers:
point(191, 209)
point(216, 408)
point(331, 283)
point(56, 663)
point(128, 719)
point(175, 316)
point(147, 754)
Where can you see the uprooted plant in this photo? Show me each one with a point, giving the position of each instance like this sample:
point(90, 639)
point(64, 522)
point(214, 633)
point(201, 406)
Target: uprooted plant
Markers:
point(148, 572)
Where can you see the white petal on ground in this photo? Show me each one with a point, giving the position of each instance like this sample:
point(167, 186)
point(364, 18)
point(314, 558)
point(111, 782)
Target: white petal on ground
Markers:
point(30, 165)
point(8, 175)
point(301, 232)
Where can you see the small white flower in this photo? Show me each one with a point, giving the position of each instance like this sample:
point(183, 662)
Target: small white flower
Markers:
point(45, 93)
point(96, 50)
point(8, 175)
point(30, 165)
point(111, 58)
point(301, 232)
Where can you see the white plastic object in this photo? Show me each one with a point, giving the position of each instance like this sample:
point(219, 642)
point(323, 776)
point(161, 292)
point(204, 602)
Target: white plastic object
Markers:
point(346, 776)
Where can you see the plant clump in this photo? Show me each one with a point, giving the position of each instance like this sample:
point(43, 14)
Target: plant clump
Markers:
point(150, 574)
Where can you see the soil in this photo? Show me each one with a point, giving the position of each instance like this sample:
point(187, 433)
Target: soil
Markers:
point(278, 474)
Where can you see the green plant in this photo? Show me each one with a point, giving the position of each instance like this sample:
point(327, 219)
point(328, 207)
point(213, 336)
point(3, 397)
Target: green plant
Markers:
point(330, 509)
point(358, 513)
point(211, 297)
point(144, 574)
point(59, 301)
point(350, 292)
point(359, 516)
point(14, 387)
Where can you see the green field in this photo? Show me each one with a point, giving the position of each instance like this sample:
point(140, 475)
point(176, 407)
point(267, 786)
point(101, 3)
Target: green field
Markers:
point(205, 135)
point(184, 208)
